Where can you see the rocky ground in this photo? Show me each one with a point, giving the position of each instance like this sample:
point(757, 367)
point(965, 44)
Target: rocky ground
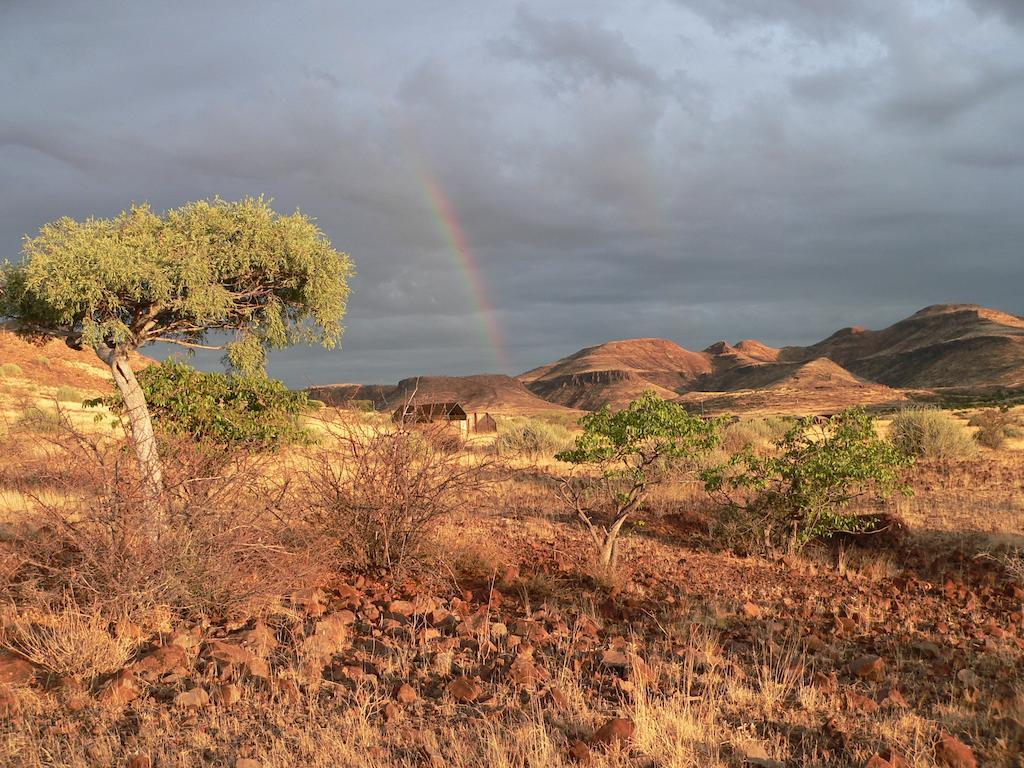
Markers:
point(894, 656)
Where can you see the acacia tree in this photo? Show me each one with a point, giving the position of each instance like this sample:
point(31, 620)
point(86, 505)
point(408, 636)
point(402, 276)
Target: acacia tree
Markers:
point(627, 453)
point(228, 270)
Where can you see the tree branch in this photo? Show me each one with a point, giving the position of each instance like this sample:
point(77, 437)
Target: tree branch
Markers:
point(189, 344)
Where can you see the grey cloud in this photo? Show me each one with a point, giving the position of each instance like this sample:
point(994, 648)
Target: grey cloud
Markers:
point(941, 100)
point(824, 21)
point(574, 52)
point(1011, 10)
point(616, 169)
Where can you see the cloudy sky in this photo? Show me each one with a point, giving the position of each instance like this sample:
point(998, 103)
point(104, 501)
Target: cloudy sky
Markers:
point(692, 169)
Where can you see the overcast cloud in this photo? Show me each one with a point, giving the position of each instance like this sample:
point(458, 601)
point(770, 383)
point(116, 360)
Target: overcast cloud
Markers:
point(692, 169)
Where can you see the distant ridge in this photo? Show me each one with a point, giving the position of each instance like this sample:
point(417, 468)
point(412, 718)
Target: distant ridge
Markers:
point(482, 392)
point(944, 345)
point(954, 347)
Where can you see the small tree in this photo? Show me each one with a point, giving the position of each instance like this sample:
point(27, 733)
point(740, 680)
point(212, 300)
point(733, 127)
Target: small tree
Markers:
point(257, 412)
point(816, 469)
point(115, 285)
point(631, 450)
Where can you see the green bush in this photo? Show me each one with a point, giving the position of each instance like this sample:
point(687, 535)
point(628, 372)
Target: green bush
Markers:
point(800, 491)
point(10, 369)
point(217, 408)
point(995, 427)
point(931, 433)
point(531, 438)
point(624, 455)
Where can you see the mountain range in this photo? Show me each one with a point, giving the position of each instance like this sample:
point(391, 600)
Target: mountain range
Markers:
point(941, 348)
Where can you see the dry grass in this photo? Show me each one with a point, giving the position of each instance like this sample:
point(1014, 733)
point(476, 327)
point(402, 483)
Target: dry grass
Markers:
point(712, 688)
point(68, 642)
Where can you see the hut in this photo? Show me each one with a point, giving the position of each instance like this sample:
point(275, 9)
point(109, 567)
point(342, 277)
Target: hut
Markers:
point(484, 424)
point(450, 414)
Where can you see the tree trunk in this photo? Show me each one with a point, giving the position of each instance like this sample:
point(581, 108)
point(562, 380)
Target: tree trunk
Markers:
point(610, 548)
point(141, 426)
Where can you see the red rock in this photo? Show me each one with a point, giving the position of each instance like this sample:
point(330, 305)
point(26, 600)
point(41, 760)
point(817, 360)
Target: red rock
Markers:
point(860, 703)
point(247, 762)
point(404, 694)
point(617, 730)
point(15, 670)
point(192, 699)
point(751, 610)
point(525, 673)
point(463, 690)
point(228, 694)
point(391, 711)
point(579, 752)
point(894, 698)
point(558, 699)
point(952, 752)
point(868, 667)
point(877, 761)
point(140, 761)
point(615, 659)
point(824, 682)
point(120, 689)
point(164, 660)
point(401, 608)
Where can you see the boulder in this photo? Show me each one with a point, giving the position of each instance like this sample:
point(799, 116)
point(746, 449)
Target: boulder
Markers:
point(464, 690)
point(618, 730)
point(952, 752)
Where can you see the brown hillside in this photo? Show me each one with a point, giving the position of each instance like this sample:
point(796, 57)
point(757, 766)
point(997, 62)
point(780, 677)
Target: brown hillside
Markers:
point(483, 392)
point(52, 363)
point(595, 389)
point(945, 345)
point(638, 355)
point(817, 386)
point(617, 372)
point(756, 350)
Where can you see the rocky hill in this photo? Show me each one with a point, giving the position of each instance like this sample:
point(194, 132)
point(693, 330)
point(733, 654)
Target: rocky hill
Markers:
point(617, 372)
point(483, 392)
point(945, 345)
point(816, 387)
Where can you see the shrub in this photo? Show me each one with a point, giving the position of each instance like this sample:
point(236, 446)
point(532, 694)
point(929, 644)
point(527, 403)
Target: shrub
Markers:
point(38, 421)
point(756, 432)
point(222, 551)
point(799, 492)
point(930, 433)
point(531, 438)
point(10, 369)
point(218, 408)
point(67, 394)
point(995, 427)
point(632, 451)
point(375, 494)
point(68, 642)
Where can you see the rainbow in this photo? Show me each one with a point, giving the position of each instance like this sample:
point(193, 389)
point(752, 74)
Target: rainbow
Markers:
point(458, 244)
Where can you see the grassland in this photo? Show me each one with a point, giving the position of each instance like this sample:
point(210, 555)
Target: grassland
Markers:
point(496, 644)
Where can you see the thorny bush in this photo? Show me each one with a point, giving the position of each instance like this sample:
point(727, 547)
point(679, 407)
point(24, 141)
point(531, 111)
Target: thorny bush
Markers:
point(223, 549)
point(377, 491)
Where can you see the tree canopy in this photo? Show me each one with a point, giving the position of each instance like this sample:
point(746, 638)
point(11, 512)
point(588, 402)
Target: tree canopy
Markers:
point(266, 280)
